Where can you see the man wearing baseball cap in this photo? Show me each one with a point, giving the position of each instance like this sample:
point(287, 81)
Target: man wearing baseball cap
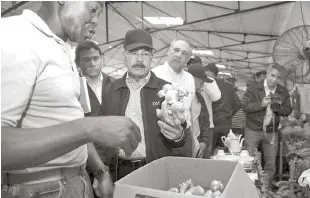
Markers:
point(135, 96)
point(201, 111)
point(223, 109)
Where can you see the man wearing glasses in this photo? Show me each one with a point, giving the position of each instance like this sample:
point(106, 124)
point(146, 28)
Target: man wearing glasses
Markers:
point(135, 96)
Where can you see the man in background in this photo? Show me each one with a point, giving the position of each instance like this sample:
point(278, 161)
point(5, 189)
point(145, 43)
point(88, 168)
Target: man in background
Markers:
point(238, 120)
point(264, 103)
point(223, 109)
point(206, 88)
point(172, 71)
point(261, 75)
point(89, 59)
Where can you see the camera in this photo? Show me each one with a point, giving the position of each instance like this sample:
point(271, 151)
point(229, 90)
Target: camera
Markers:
point(275, 102)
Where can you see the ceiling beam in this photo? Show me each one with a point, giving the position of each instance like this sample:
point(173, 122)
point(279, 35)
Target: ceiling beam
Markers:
point(112, 47)
point(107, 21)
point(14, 7)
point(188, 37)
point(246, 43)
point(225, 15)
point(155, 8)
point(220, 32)
point(246, 51)
point(120, 14)
point(226, 37)
point(116, 40)
point(211, 5)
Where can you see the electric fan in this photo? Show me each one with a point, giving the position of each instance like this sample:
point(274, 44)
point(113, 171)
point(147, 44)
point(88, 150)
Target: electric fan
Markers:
point(292, 51)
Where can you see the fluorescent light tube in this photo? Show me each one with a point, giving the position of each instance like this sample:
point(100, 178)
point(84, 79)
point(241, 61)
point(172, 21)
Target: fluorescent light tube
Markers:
point(165, 20)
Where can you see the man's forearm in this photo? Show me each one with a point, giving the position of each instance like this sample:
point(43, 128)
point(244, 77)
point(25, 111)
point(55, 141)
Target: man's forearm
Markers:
point(24, 148)
point(94, 162)
point(213, 91)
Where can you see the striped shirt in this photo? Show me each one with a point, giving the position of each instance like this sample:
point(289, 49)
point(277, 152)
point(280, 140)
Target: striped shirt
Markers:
point(134, 112)
point(238, 120)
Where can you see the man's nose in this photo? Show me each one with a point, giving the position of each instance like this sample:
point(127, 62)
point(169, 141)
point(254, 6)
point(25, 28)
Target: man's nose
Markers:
point(92, 63)
point(139, 58)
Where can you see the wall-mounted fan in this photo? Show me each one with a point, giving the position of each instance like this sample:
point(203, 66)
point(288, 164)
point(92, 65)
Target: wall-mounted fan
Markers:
point(292, 50)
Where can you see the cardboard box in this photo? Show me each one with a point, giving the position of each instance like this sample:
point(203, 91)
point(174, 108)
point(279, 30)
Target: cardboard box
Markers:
point(155, 179)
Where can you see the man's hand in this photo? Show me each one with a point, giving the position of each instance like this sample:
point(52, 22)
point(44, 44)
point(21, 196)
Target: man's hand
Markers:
point(202, 150)
point(170, 130)
point(104, 187)
point(113, 132)
point(266, 101)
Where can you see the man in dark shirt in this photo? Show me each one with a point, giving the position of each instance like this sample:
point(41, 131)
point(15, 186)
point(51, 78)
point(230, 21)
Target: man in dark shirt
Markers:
point(223, 109)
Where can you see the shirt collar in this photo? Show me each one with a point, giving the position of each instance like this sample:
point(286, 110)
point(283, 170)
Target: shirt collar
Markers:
point(37, 22)
point(95, 84)
point(171, 70)
point(135, 84)
point(153, 82)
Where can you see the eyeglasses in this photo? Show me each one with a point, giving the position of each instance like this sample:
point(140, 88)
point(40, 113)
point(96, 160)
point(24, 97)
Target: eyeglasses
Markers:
point(145, 54)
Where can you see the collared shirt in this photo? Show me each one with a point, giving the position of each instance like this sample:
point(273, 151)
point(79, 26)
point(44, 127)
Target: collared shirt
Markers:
point(183, 79)
point(39, 81)
point(268, 116)
point(96, 87)
point(134, 112)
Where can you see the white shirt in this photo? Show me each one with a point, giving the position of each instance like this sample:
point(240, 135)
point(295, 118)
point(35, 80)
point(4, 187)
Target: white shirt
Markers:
point(268, 116)
point(39, 81)
point(96, 87)
point(184, 79)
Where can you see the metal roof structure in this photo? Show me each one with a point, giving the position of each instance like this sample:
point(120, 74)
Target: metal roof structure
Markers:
point(241, 34)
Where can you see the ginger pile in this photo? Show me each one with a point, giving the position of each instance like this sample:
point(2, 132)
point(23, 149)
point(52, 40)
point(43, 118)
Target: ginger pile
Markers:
point(188, 187)
point(172, 107)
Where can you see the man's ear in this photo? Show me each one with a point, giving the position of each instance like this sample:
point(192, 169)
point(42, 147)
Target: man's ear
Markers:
point(61, 2)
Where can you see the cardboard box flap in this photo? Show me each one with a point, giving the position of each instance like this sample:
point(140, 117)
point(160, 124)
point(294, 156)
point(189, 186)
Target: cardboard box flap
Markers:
point(153, 175)
point(182, 169)
point(240, 185)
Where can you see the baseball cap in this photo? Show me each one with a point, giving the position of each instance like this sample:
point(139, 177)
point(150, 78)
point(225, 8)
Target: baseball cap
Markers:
point(198, 72)
point(213, 68)
point(137, 38)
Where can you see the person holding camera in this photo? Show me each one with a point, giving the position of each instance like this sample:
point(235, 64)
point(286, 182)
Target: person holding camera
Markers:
point(264, 103)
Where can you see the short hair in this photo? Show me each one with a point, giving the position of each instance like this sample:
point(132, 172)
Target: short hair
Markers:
point(178, 39)
point(212, 68)
point(283, 72)
point(258, 74)
point(85, 45)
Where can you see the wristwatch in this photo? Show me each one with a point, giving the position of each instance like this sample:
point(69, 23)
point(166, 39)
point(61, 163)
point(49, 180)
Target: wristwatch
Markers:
point(101, 171)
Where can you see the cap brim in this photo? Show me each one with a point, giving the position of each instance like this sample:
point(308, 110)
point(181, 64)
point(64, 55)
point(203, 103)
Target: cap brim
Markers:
point(138, 45)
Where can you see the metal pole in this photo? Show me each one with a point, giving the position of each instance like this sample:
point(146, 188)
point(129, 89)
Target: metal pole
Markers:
point(142, 14)
point(107, 21)
point(211, 5)
point(13, 8)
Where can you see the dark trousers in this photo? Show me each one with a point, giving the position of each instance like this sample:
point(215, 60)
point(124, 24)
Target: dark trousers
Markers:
point(125, 167)
point(238, 131)
point(252, 141)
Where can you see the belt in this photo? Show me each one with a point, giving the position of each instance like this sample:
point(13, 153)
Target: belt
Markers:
point(135, 164)
point(43, 176)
